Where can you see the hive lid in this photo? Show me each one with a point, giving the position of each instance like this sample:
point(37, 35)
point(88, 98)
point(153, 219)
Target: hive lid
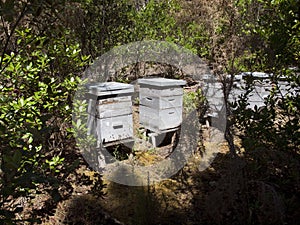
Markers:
point(108, 88)
point(161, 82)
point(260, 75)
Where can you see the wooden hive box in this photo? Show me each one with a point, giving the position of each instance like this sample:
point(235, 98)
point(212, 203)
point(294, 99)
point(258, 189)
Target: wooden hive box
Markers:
point(160, 103)
point(110, 111)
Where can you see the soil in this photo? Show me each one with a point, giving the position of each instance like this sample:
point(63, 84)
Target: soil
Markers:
point(169, 201)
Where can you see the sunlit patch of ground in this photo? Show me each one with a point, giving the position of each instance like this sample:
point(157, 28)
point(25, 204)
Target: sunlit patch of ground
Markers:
point(166, 202)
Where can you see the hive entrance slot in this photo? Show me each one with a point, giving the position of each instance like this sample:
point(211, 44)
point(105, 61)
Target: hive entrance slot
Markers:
point(149, 99)
point(118, 126)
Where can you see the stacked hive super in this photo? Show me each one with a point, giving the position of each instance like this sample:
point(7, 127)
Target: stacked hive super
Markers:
point(161, 104)
point(110, 111)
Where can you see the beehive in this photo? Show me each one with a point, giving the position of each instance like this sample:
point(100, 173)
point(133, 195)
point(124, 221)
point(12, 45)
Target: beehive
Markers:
point(110, 111)
point(160, 103)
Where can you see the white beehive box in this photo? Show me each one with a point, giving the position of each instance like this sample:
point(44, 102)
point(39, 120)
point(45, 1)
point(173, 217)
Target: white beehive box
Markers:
point(110, 111)
point(160, 103)
point(215, 98)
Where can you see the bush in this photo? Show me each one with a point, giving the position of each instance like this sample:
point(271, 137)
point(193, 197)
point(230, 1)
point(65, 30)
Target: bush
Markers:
point(37, 83)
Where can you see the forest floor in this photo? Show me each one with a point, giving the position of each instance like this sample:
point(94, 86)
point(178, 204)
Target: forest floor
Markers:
point(170, 201)
point(212, 188)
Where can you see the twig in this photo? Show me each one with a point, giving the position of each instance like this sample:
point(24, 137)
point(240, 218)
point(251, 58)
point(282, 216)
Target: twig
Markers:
point(11, 34)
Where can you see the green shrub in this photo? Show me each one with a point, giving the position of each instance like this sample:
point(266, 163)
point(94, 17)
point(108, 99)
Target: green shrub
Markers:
point(37, 83)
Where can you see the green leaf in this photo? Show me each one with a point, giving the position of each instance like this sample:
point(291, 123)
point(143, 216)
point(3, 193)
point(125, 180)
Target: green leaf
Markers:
point(30, 140)
point(21, 102)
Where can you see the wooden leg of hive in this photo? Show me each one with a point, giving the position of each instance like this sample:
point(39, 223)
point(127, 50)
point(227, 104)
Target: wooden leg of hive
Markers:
point(207, 123)
point(153, 139)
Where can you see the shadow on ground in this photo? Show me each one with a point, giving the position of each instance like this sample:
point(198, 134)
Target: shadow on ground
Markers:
point(256, 187)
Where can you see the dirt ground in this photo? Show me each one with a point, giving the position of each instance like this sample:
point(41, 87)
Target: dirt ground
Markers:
point(212, 188)
point(169, 201)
